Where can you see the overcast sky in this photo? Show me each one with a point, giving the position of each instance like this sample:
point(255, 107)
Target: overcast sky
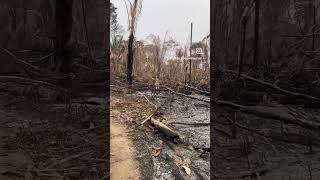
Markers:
point(158, 16)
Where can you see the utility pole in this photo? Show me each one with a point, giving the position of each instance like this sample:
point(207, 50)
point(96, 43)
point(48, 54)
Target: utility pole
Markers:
point(190, 55)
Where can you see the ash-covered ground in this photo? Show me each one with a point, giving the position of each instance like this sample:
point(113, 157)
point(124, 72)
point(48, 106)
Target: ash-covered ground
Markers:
point(159, 157)
point(265, 148)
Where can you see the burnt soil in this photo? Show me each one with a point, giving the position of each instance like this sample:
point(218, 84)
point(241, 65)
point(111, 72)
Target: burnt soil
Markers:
point(157, 156)
point(266, 148)
point(42, 138)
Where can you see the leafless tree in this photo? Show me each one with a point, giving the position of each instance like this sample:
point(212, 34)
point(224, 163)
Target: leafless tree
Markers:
point(134, 12)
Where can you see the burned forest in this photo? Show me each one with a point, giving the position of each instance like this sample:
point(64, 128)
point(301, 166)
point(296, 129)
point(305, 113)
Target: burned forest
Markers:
point(160, 89)
point(160, 103)
point(53, 100)
point(265, 88)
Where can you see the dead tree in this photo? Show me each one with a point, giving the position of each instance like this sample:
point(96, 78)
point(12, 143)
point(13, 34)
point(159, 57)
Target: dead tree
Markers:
point(244, 21)
point(63, 35)
point(135, 10)
point(218, 41)
point(86, 31)
point(130, 59)
point(256, 35)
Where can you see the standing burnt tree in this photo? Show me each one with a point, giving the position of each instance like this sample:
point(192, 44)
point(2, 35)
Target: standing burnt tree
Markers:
point(217, 44)
point(256, 35)
point(133, 14)
point(63, 35)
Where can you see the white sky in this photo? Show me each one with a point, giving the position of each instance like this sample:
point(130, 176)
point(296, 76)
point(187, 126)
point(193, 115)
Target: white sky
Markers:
point(158, 16)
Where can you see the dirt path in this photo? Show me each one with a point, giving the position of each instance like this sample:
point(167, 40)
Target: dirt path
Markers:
point(123, 166)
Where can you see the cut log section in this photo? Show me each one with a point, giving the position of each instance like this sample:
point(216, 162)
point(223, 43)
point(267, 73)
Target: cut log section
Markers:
point(169, 133)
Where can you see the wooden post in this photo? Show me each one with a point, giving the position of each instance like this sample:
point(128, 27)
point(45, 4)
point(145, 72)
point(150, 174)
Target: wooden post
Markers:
point(190, 56)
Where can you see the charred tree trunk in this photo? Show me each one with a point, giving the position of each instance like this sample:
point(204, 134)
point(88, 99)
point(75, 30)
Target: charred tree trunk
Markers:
point(24, 20)
point(314, 8)
point(243, 45)
point(63, 35)
point(308, 10)
point(256, 35)
point(86, 31)
point(217, 44)
point(130, 59)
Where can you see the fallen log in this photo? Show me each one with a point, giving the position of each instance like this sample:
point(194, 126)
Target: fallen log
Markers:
point(288, 138)
point(20, 61)
point(198, 90)
point(270, 113)
point(190, 124)
point(28, 81)
point(307, 98)
point(169, 133)
point(188, 96)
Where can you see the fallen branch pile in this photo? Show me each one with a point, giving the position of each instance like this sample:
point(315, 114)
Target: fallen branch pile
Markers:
point(305, 97)
point(270, 113)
